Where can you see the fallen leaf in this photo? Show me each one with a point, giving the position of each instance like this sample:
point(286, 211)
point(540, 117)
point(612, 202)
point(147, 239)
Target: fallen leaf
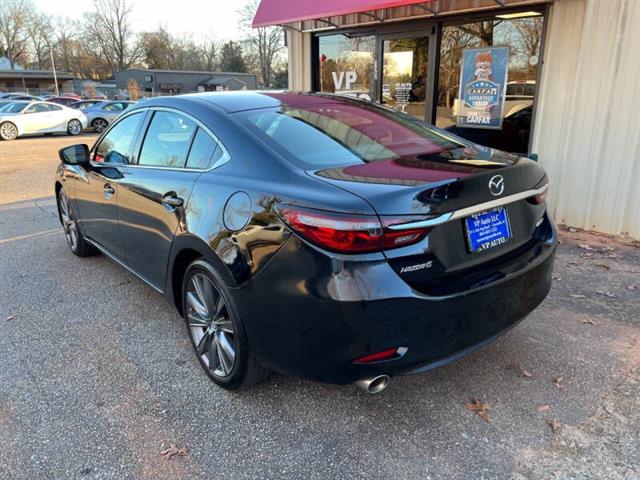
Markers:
point(9, 318)
point(557, 381)
point(525, 373)
point(589, 321)
point(554, 423)
point(544, 407)
point(603, 265)
point(584, 246)
point(172, 451)
point(480, 408)
point(577, 295)
point(632, 286)
point(484, 415)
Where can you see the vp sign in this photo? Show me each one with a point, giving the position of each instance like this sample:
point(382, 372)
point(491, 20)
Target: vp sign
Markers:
point(348, 77)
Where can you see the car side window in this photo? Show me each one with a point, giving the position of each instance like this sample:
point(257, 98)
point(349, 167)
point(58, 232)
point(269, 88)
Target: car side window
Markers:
point(113, 107)
point(167, 141)
point(37, 108)
point(54, 108)
point(117, 145)
point(204, 151)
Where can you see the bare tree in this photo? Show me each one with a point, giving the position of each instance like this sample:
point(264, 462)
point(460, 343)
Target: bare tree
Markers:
point(454, 41)
point(40, 39)
point(109, 30)
point(267, 42)
point(210, 54)
point(530, 30)
point(481, 30)
point(15, 16)
point(65, 36)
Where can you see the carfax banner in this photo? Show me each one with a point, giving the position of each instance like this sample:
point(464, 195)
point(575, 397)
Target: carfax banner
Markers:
point(483, 82)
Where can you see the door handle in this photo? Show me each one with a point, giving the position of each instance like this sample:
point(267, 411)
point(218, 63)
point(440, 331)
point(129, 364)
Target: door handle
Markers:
point(171, 200)
point(108, 190)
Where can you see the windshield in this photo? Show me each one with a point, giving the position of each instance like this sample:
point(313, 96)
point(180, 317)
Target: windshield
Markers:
point(326, 132)
point(13, 107)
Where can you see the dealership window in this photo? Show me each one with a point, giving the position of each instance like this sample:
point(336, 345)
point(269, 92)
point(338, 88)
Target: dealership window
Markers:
point(522, 33)
point(404, 74)
point(346, 65)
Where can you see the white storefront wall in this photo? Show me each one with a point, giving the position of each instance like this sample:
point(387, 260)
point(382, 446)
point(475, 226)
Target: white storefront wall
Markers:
point(587, 125)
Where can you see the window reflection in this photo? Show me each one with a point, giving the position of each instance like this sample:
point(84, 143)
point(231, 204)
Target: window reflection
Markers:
point(347, 65)
point(404, 75)
point(523, 36)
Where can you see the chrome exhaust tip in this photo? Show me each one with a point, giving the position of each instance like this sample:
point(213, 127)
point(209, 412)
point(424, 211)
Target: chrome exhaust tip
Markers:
point(375, 384)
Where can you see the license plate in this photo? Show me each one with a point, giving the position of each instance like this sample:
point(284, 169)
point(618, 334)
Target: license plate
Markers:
point(487, 230)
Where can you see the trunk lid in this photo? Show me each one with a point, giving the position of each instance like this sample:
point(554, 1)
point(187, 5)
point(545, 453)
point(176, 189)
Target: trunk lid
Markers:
point(446, 262)
point(431, 187)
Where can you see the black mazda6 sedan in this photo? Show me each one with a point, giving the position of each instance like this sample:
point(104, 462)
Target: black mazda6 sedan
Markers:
point(315, 235)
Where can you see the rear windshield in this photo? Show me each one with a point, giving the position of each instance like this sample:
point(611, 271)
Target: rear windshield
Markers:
point(321, 135)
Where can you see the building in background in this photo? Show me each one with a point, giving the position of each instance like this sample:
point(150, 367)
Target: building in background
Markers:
point(571, 94)
point(172, 82)
point(35, 82)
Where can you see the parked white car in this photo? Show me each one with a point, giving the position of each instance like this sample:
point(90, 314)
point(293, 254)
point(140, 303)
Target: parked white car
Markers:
point(24, 118)
point(100, 115)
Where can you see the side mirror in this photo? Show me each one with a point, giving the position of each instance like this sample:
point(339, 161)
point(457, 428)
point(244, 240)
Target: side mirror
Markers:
point(75, 155)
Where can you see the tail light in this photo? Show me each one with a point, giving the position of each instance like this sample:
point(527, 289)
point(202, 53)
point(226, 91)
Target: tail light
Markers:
point(345, 233)
point(540, 198)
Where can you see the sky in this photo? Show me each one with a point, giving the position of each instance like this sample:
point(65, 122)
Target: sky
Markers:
point(199, 18)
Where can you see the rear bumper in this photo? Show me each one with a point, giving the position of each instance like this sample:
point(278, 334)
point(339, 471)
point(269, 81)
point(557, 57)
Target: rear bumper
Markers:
point(311, 316)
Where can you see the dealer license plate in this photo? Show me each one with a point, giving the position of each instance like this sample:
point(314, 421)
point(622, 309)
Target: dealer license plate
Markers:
point(487, 230)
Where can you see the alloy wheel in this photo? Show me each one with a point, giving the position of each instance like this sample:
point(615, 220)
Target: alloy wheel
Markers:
point(210, 325)
point(68, 223)
point(8, 131)
point(99, 125)
point(74, 127)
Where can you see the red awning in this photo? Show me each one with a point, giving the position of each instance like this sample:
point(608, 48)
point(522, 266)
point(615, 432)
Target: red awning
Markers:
point(278, 12)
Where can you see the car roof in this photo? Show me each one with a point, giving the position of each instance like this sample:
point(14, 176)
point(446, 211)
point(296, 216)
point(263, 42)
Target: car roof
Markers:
point(242, 100)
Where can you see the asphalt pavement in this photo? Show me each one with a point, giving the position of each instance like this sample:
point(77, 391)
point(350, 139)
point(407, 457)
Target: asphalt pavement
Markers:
point(97, 376)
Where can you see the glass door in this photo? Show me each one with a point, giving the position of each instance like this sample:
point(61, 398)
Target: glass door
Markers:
point(403, 82)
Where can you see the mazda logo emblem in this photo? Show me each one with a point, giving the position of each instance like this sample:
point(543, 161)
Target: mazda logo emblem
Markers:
point(496, 185)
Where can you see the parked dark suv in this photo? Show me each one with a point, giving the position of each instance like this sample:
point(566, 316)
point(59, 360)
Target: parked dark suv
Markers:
point(315, 235)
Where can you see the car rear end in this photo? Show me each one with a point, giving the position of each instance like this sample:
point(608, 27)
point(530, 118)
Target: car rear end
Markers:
point(455, 249)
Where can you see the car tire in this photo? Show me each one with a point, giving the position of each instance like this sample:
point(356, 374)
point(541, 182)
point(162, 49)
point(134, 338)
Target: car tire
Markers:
point(8, 131)
point(78, 245)
point(99, 125)
point(74, 127)
point(217, 333)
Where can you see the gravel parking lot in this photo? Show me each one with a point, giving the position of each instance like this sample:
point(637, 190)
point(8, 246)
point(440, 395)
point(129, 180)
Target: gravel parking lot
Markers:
point(97, 376)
